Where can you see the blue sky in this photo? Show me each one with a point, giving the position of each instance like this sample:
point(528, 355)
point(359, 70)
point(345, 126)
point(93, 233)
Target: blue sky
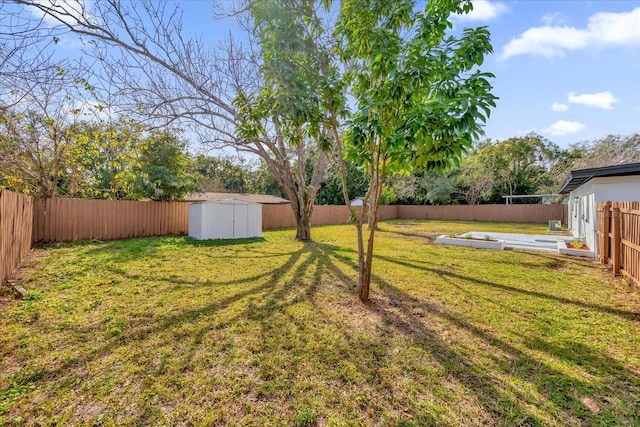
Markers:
point(568, 70)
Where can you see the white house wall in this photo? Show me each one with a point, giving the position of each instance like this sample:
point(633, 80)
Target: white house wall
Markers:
point(584, 200)
point(618, 188)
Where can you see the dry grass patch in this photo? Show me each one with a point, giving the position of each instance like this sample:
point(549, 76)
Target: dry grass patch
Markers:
point(270, 332)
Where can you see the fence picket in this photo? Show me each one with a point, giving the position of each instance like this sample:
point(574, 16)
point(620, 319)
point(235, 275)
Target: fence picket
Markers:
point(16, 228)
point(619, 229)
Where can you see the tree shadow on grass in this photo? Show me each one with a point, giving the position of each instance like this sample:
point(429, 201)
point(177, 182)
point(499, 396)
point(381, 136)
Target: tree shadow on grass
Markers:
point(500, 397)
point(420, 265)
point(424, 235)
point(395, 309)
point(143, 331)
point(565, 391)
point(258, 299)
point(409, 316)
point(299, 278)
point(613, 382)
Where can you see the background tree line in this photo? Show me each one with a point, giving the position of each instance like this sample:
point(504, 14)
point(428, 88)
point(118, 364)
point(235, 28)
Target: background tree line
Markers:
point(62, 154)
point(525, 165)
point(43, 155)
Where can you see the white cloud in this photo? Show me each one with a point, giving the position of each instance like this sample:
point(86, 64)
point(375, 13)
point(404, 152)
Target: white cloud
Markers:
point(68, 11)
point(603, 30)
point(563, 127)
point(559, 107)
point(546, 41)
point(554, 18)
point(603, 100)
point(483, 10)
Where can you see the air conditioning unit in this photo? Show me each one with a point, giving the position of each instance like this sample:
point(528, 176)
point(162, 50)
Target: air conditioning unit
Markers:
point(555, 225)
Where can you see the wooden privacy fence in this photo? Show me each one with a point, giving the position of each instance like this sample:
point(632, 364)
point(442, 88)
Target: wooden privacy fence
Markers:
point(281, 216)
point(16, 213)
point(64, 220)
point(491, 213)
point(24, 220)
point(619, 237)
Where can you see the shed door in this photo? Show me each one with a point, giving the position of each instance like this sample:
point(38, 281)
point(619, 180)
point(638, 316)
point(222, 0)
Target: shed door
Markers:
point(240, 220)
point(223, 222)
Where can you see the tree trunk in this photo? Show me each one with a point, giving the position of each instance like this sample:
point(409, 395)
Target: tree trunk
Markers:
point(302, 210)
point(303, 223)
point(363, 289)
point(365, 276)
point(375, 190)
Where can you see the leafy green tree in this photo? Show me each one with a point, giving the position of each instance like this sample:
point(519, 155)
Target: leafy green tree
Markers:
point(477, 176)
point(520, 164)
point(107, 158)
point(418, 95)
point(222, 174)
point(164, 168)
point(300, 83)
point(331, 193)
point(436, 188)
point(264, 182)
point(398, 188)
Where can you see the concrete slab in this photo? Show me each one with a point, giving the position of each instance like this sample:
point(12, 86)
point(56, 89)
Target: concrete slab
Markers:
point(473, 243)
point(539, 242)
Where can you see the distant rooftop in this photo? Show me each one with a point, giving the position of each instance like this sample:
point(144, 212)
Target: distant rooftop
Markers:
point(578, 177)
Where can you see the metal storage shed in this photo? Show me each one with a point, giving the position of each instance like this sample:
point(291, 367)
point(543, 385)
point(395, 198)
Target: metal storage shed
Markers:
point(225, 219)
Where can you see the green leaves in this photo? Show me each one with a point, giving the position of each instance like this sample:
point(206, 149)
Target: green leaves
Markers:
point(419, 102)
point(302, 89)
point(250, 115)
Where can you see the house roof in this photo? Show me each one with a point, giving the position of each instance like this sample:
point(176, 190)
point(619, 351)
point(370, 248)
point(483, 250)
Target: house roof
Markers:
point(578, 177)
point(252, 198)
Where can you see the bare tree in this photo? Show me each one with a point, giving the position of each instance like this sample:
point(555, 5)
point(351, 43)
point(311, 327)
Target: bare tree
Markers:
point(608, 151)
point(27, 62)
point(166, 76)
point(41, 96)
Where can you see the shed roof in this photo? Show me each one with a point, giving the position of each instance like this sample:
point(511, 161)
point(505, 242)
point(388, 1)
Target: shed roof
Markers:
point(263, 199)
point(230, 201)
point(578, 177)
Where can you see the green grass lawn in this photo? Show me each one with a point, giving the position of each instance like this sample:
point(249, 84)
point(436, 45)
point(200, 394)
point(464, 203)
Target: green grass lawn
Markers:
point(171, 331)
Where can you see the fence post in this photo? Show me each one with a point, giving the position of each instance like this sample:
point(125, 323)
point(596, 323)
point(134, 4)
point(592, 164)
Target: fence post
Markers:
point(616, 246)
